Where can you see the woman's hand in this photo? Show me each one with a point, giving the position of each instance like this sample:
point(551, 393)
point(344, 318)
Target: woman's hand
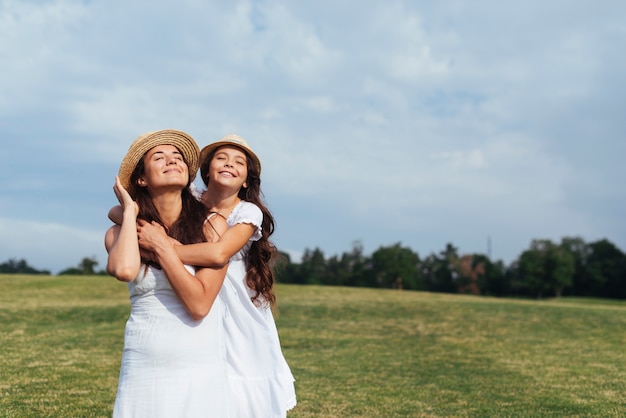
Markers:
point(124, 198)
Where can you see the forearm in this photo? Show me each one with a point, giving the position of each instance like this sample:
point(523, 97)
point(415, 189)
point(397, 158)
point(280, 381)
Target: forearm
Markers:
point(196, 295)
point(218, 253)
point(205, 254)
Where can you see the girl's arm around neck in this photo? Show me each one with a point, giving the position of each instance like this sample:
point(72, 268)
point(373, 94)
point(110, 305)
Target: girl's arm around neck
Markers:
point(197, 292)
point(217, 253)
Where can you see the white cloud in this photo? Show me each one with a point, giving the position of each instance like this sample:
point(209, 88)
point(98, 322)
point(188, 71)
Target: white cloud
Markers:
point(414, 115)
point(461, 160)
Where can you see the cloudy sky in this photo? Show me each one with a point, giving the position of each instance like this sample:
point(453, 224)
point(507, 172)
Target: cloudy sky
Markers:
point(420, 123)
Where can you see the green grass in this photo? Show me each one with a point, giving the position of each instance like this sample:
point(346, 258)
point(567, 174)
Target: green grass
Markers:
point(354, 352)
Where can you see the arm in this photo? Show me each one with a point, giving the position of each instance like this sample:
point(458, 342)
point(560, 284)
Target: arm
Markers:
point(197, 293)
point(121, 241)
point(116, 214)
point(217, 253)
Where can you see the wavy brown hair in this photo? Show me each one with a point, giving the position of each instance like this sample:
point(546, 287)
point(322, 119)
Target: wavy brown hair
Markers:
point(259, 272)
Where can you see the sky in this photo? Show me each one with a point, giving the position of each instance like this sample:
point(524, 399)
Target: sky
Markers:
point(482, 124)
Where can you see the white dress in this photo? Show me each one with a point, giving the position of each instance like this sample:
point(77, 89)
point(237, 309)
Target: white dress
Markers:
point(261, 382)
point(172, 365)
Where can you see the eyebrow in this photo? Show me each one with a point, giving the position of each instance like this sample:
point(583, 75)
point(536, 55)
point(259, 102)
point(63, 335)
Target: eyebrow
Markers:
point(243, 157)
point(163, 152)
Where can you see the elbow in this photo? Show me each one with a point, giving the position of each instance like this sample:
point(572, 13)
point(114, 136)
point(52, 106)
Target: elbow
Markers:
point(199, 312)
point(222, 258)
point(123, 274)
point(197, 316)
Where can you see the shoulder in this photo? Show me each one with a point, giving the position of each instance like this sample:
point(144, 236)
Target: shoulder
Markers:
point(249, 211)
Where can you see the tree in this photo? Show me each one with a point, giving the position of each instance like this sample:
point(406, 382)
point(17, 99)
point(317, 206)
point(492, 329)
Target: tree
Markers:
point(85, 267)
point(442, 271)
point(561, 267)
point(546, 267)
point(339, 270)
point(14, 266)
point(358, 265)
point(395, 267)
point(532, 270)
point(582, 282)
point(283, 268)
point(491, 277)
point(313, 267)
point(607, 265)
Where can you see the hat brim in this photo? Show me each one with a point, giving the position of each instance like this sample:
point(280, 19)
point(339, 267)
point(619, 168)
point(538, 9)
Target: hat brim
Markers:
point(237, 142)
point(144, 143)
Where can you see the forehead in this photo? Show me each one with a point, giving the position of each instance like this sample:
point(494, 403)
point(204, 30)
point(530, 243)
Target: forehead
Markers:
point(170, 149)
point(231, 150)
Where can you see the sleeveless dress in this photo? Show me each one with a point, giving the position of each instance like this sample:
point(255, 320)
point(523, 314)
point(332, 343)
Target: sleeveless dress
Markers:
point(260, 381)
point(172, 365)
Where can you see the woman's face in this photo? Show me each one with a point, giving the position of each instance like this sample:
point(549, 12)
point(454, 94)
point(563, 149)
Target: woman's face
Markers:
point(228, 167)
point(164, 166)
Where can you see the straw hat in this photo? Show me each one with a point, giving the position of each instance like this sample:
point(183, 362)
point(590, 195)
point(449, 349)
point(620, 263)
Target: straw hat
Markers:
point(144, 143)
point(230, 139)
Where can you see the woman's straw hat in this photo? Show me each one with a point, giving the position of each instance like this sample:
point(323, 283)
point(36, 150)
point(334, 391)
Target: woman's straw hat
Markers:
point(230, 139)
point(144, 143)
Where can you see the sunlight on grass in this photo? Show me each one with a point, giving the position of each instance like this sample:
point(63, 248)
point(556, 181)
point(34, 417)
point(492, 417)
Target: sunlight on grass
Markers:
point(354, 352)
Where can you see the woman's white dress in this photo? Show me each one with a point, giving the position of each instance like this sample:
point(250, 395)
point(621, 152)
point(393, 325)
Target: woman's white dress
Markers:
point(261, 382)
point(172, 365)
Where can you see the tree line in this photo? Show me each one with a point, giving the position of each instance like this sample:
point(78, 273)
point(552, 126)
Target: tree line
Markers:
point(571, 267)
point(87, 266)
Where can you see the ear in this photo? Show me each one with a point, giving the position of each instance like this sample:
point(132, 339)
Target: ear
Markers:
point(245, 185)
point(141, 182)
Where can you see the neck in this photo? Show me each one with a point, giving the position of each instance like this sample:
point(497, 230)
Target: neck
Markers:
point(169, 205)
point(220, 201)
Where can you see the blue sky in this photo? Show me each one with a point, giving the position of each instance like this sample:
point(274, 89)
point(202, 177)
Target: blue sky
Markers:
point(421, 123)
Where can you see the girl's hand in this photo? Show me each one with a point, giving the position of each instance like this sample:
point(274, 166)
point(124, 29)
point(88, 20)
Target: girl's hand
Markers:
point(152, 235)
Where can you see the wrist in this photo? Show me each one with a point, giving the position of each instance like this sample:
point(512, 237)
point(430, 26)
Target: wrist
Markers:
point(129, 214)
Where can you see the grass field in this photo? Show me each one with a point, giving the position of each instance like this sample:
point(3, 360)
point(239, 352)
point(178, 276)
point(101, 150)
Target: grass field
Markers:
point(354, 352)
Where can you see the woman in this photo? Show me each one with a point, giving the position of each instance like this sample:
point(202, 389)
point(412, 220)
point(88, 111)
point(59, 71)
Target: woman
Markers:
point(261, 382)
point(173, 359)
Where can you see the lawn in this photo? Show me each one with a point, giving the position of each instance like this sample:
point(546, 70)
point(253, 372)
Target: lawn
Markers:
point(354, 352)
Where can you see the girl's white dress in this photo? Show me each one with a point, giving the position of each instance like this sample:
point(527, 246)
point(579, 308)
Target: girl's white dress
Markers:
point(172, 365)
point(260, 381)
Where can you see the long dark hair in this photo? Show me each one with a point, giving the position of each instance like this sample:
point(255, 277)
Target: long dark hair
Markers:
point(259, 272)
point(188, 228)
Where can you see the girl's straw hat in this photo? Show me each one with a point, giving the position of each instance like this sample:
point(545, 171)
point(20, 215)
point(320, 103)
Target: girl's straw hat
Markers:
point(144, 143)
point(230, 139)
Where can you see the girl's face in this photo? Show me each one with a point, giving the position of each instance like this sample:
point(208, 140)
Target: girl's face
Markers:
point(164, 166)
point(228, 167)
